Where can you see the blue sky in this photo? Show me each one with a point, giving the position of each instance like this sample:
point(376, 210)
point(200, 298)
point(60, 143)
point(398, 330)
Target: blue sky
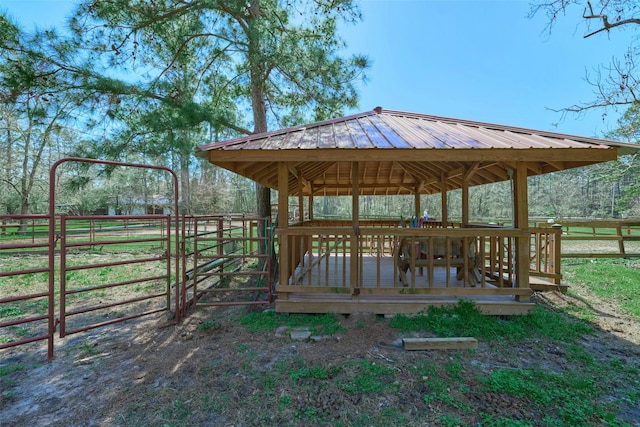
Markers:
point(468, 59)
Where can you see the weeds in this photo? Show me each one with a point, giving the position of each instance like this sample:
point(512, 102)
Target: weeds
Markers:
point(11, 311)
point(314, 372)
point(88, 349)
point(207, 325)
point(369, 378)
point(5, 370)
point(7, 380)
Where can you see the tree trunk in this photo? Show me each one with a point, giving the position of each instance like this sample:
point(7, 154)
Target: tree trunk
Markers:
point(3, 230)
point(185, 185)
point(257, 75)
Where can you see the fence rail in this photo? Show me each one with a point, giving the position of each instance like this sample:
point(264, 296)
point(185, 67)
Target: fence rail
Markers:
point(598, 238)
point(150, 254)
point(218, 247)
point(34, 309)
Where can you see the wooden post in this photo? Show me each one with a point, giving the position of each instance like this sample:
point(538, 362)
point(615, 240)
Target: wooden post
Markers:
point(557, 253)
point(521, 221)
point(283, 220)
point(443, 192)
point(465, 203)
point(466, 177)
point(621, 241)
point(416, 200)
point(355, 223)
point(300, 197)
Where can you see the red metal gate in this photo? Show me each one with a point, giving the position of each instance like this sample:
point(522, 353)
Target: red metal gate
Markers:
point(223, 263)
point(88, 295)
point(80, 247)
point(209, 260)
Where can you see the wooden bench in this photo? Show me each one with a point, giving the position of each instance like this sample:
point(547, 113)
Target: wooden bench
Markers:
point(431, 252)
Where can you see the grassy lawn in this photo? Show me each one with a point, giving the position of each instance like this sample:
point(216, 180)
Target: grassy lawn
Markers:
point(616, 280)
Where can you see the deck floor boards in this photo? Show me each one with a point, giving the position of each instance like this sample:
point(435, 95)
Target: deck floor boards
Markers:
point(336, 273)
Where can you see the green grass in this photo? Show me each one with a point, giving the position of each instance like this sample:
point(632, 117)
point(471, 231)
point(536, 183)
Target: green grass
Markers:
point(572, 397)
point(565, 398)
point(568, 398)
point(11, 311)
point(177, 413)
point(314, 372)
point(88, 349)
point(616, 280)
point(9, 369)
point(7, 379)
point(270, 320)
point(207, 325)
point(464, 320)
point(600, 231)
point(370, 378)
point(444, 388)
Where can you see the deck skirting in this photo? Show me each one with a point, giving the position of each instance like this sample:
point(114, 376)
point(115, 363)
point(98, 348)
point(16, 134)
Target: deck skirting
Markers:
point(319, 303)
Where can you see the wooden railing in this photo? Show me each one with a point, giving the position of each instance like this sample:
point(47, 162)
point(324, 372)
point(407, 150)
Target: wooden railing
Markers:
point(342, 259)
point(545, 253)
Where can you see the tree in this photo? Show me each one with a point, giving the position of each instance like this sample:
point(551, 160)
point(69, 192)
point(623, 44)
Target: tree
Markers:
point(626, 170)
point(157, 76)
point(616, 84)
point(36, 107)
point(278, 60)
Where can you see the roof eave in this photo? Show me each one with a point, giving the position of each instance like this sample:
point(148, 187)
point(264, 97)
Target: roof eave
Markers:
point(599, 154)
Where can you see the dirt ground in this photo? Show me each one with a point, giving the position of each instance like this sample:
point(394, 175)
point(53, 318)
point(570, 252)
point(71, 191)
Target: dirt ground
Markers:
point(146, 373)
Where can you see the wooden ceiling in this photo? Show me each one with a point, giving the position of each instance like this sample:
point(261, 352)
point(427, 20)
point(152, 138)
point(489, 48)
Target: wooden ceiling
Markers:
point(403, 153)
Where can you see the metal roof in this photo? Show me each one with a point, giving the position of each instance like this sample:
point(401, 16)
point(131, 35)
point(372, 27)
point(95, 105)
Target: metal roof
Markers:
point(400, 152)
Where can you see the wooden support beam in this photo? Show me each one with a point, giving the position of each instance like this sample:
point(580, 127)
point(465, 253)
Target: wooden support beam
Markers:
point(590, 154)
point(557, 165)
point(300, 195)
point(466, 178)
point(465, 202)
point(520, 197)
point(521, 221)
point(439, 343)
point(283, 220)
point(416, 200)
point(469, 172)
point(355, 222)
point(443, 191)
point(456, 172)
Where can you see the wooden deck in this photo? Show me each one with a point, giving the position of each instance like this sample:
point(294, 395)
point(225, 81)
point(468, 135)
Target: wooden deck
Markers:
point(380, 293)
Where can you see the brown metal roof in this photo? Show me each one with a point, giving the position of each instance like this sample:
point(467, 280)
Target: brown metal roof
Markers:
point(399, 152)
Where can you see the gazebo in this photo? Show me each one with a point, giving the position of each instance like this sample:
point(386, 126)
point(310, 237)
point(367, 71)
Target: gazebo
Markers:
point(377, 266)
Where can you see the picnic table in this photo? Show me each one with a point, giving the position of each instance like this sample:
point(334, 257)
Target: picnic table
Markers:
point(437, 251)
